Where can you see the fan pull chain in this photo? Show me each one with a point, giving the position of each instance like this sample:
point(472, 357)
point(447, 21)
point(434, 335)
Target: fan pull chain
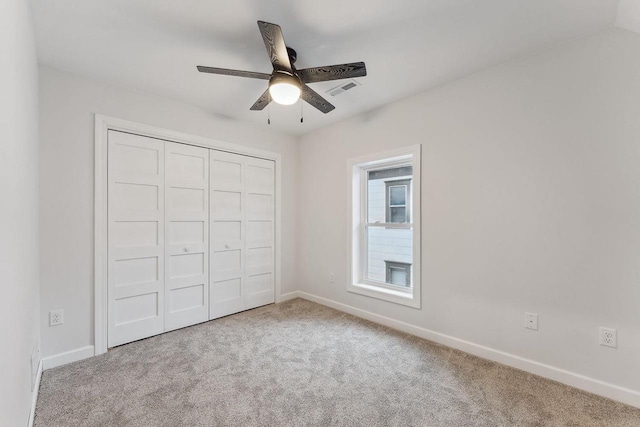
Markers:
point(269, 110)
point(301, 116)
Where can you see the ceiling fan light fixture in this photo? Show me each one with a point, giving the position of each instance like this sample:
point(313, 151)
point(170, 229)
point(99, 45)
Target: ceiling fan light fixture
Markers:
point(284, 89)
point(287, 84)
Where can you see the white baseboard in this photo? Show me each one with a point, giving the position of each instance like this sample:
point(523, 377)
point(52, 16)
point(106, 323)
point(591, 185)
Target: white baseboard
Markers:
point(288, 296)
point(67, 357)
point(591, 385)
point(34, 394)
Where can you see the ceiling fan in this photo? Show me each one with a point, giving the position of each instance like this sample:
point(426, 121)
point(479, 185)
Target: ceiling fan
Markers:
point(286, 83)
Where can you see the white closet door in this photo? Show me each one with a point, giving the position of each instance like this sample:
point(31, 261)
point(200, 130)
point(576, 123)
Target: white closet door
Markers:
point(259, 226)
point(186, 235)
point(227, 234)
point(135, 237)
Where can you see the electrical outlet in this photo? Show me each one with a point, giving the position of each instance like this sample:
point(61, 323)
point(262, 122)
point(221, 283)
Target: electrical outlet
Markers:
point(531, 321)
point(332, 278)
point(56, 317)
point(608, 337)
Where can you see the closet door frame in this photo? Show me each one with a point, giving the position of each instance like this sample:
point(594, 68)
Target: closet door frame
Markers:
point(102, 126)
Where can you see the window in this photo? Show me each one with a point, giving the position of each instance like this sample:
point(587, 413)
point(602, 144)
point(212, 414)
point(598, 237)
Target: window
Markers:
point(397, 196)
point(385, 238)
point(398, 273)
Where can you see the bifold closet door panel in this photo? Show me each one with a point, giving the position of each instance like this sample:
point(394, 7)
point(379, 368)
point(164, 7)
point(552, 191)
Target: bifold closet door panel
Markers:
point(259, 235)
point(135, 237)
point(227, 233)
point(186, 235)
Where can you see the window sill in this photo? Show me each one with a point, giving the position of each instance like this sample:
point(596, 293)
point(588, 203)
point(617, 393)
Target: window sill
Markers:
point(397, 297)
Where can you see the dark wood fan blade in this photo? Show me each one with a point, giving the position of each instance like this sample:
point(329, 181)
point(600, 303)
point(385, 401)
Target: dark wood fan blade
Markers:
point(316, 100)
point(333, 72)
point(276, 48)
point(262, 102)
point(237, 73)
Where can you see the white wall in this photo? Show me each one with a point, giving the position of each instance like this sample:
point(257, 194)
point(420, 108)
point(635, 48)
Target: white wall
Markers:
point(531, 202)
point(68, 104)
point(19, 330)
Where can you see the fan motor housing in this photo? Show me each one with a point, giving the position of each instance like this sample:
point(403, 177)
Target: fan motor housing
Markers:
point(281, 76)
point(293, 55)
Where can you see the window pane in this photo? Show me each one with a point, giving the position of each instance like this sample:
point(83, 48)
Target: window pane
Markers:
point(397, 195)
point(398, 214)
point(398, 276)
point(387, 245)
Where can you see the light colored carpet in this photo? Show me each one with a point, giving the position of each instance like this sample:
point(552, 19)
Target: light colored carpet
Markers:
point(302, 364)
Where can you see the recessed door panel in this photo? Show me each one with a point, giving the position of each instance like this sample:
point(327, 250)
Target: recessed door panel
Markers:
point(187, 298)
point(226, 202)
point(259, 257)
point(136, 233)
point(186, 166)
point(136, 308)
point(259, 230)
point(259, 283)
point(129, 156)
point(186, 199)
point(182, 232)
point(227, 260)
point(136, 270)
point(227, 290)
point(259, 175)
point(259, 206)
point(187, 265)
point(226, 173)
point(226, 231)
point(259, 290)
point(135, 196)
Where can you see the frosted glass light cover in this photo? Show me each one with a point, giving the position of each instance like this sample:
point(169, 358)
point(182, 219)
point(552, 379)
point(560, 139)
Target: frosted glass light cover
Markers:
point(284, 93)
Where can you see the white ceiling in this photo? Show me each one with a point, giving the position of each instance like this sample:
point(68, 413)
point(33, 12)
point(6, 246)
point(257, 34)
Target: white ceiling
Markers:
point(408, 45)
point(629, 15)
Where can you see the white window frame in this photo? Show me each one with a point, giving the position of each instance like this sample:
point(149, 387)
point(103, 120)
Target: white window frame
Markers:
point(357, 236)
